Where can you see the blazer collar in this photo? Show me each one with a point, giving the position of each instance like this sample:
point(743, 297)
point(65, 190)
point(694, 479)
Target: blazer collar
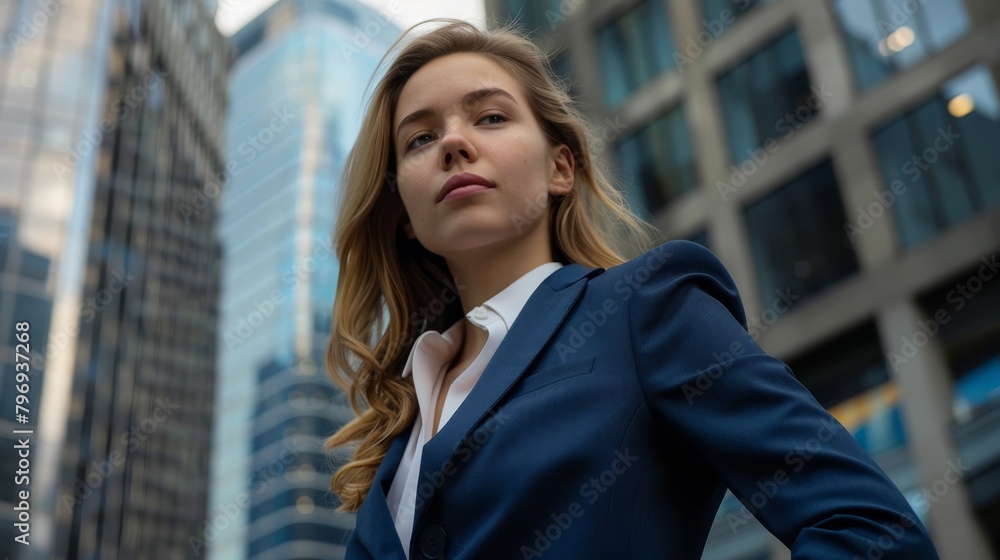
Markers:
point(541, 315)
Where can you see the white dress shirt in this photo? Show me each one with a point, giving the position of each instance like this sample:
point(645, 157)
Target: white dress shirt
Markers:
point(429, 359)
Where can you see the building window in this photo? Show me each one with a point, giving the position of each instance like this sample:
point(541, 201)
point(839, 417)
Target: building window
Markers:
point(797, 237)
point(886, 36)
point(963, 314)
point(939, 160)
point(717, 15)
point(658, 162)
point(768, 97)
point(849, 376)
point(634, 49)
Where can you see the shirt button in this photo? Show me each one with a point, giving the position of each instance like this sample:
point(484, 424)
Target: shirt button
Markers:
point(481, 313)
point(432, 541)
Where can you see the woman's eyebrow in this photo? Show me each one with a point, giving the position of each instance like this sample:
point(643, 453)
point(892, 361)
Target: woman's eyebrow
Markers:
point(471, 98)
point(478, 95)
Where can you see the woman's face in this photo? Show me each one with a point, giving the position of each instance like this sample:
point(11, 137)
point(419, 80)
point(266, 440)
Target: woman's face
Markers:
point(464, 114)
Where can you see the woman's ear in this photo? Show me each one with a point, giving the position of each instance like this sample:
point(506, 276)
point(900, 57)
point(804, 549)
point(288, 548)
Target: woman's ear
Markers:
point(563, 172)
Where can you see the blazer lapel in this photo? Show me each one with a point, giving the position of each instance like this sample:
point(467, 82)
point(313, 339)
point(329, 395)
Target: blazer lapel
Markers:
point(378, 533)
point(542, 314)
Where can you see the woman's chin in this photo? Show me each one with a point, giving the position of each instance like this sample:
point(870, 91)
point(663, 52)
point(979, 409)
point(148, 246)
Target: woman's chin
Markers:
point(474, 241)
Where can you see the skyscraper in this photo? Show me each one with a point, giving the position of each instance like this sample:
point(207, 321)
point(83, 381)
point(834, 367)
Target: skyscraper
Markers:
point(839, 156)
point(296, 98)
point(111, 118)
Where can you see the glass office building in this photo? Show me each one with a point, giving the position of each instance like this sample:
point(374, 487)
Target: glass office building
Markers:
point(842, 154)
point(110, 121)
point(295, 104)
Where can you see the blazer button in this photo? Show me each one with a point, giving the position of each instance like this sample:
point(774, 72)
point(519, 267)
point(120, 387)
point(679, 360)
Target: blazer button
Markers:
point(432, 541)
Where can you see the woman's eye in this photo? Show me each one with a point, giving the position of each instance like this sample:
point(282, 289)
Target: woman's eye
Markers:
point(495, 118)
point(419, 141)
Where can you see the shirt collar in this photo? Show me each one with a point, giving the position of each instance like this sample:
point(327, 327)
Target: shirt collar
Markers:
point(507, 304)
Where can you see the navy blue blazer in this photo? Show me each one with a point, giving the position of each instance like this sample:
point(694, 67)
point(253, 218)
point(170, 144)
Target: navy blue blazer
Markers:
point(615, 413)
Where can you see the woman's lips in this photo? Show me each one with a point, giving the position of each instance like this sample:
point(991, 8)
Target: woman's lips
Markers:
point(462, 192)
point(462, 181)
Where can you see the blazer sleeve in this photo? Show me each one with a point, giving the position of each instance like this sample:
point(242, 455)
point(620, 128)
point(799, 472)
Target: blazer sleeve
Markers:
point(745, 416)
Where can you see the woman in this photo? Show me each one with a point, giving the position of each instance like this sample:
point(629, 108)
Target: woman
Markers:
point(560, 400)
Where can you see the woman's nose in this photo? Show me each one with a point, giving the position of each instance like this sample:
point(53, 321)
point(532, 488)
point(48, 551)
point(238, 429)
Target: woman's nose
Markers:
point(455, 145)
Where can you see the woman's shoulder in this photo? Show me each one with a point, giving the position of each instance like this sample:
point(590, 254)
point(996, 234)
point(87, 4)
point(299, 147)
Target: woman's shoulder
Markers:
point(663, 275)
point(673, 259)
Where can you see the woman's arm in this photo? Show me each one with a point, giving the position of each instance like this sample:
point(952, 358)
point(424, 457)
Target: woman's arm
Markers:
point(801, 474)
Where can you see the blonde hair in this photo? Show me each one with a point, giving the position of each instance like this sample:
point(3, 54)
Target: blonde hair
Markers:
point(385, 276)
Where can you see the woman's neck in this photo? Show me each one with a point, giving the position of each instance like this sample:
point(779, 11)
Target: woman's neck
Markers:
point(486, 273)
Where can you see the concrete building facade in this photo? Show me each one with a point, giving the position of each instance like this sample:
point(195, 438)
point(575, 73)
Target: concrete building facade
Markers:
point(840, 157)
